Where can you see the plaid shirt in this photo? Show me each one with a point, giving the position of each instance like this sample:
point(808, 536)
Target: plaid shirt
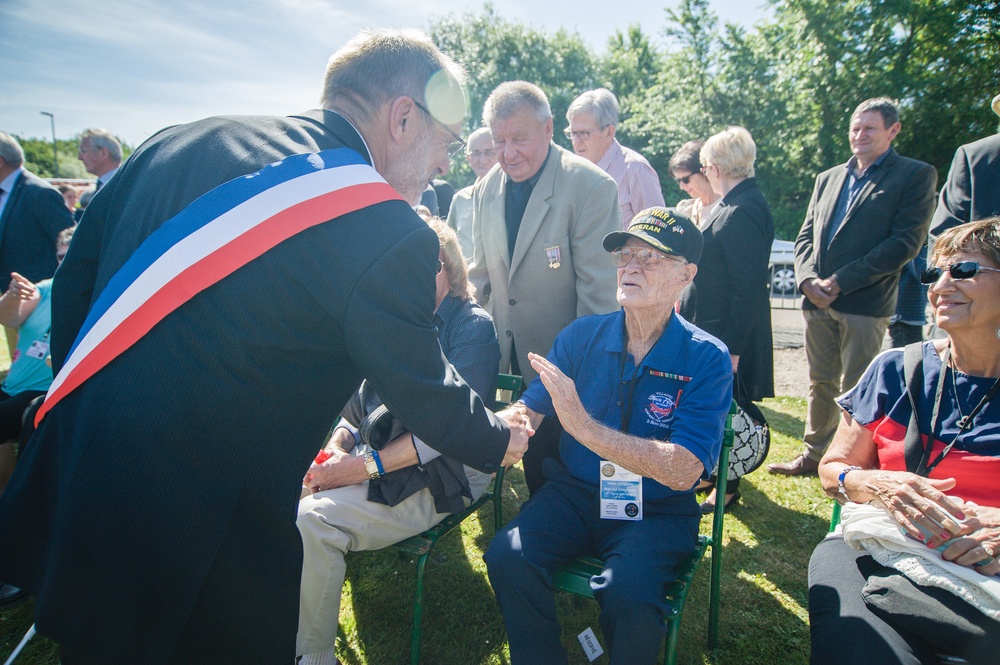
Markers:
point(638, 184)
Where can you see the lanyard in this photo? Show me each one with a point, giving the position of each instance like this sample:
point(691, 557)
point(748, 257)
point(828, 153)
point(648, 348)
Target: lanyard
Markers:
point(627, 407)
point(963, 424)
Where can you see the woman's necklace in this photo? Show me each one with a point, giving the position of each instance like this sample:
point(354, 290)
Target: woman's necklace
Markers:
point(963, 421)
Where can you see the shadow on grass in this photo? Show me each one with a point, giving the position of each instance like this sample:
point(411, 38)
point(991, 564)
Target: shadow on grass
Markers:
point(461, 622)
point(784, 423)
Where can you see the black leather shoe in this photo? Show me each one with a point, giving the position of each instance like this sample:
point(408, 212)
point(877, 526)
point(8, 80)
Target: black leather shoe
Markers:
point(707, 507)
point(10, 595)
point(800, 466)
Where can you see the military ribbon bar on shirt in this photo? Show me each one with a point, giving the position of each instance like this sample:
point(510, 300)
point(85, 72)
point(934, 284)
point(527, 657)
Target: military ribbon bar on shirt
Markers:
point(214, 236)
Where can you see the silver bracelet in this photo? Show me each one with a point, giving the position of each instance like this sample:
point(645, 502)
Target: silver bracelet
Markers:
point(840, 479)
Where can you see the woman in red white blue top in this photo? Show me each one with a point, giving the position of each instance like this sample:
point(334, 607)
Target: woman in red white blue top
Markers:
point(957, 455)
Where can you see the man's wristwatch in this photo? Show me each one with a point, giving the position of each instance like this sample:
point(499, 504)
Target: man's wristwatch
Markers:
point(371, 467)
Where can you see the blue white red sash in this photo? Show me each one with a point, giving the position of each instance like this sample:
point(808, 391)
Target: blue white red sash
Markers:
point(211, 238)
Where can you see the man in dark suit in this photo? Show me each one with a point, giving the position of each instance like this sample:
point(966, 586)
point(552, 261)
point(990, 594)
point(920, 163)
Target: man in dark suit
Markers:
point(32, 213)
point(153, 516)
point(865, 220)
point(973, 188)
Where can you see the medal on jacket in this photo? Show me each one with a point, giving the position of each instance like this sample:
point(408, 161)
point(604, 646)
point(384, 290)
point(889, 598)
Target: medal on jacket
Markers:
point(552, 253)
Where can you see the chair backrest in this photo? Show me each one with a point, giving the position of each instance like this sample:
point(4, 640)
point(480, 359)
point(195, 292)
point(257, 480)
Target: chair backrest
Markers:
point(835, 516)
point(509, 389)
point(722, 479)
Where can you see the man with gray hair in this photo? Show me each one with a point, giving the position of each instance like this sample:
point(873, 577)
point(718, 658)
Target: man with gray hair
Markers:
point(538, 222)
point(866, 219)
point(205, 336)
point(593, 121)
point(101, 154)
point(481, 156)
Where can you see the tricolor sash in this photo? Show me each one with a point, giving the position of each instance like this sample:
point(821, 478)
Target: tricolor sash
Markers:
point(211, 238)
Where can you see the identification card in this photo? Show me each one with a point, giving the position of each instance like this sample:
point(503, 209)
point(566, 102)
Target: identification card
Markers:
point(621, 493)
point(590, 645)
point(38, 349)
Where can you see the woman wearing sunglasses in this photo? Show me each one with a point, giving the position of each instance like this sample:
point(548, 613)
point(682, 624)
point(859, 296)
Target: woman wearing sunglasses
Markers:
point(934, 494)
point(685, 169)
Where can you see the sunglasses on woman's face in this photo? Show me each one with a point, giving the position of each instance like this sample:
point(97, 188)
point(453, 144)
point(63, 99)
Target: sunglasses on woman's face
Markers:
point(961, 270)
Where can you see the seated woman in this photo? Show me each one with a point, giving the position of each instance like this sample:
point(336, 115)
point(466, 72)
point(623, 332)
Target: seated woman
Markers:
point(643, 396)
point(956, 496)
point(25, 307)
point(365, 499)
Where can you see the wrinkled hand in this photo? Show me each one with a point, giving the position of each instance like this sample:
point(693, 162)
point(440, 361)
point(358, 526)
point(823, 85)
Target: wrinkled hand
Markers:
point(520, 431)
point(21, 288)
point(913, 500)
point(340, 470)
point(976, 550)
point(562, 390)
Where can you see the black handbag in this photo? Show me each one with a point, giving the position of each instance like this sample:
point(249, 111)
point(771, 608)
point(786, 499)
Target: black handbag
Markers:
point(752, 439)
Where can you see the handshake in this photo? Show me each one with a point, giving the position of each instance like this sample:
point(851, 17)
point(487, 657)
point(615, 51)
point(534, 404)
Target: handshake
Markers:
point(519, 420)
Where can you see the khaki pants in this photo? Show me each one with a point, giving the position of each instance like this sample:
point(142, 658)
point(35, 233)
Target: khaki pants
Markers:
point(343, 520)
point(839, 347)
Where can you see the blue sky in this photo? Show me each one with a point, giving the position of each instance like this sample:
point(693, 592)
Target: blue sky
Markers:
point(135, 66)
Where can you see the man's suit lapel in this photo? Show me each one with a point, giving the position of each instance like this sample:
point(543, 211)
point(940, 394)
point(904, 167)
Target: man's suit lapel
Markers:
point(866, 190)
point(538, 207)
point(498, 230)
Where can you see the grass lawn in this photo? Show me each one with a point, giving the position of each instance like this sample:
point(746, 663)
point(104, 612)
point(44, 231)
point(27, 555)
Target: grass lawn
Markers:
point(769, 538)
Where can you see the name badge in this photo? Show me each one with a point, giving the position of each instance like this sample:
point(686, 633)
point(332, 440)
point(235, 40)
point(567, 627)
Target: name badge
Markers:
point(621, 493)
point(38, 350)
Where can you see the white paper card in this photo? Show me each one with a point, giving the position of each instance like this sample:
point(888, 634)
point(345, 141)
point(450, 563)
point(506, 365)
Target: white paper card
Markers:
point(590, 645)
point(621, 493)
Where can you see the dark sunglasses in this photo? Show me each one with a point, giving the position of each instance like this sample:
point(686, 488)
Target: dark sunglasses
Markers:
point(961, 270)
point(685, 179)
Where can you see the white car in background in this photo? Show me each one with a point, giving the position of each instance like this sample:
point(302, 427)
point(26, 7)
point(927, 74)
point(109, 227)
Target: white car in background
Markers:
point(781, 268)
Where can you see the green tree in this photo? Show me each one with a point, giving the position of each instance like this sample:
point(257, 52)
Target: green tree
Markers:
point(494, 50)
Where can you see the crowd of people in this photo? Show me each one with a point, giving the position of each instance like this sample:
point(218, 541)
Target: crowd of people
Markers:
point(297, 289)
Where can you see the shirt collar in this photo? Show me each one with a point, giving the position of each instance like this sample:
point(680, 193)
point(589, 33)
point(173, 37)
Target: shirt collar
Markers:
point(533, 179)
point(853, 162)
point(8, 183)
point(663, 355)
point(613, 152)
point(445, 307)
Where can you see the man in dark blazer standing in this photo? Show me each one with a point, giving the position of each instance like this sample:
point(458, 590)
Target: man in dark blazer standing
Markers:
point(153, 514)
point(973, 188)
point(32, 213)
point(865, 220)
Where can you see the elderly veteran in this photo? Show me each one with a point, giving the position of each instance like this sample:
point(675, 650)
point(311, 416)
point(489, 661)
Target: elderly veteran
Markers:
point(642, 395)
point(944, 481)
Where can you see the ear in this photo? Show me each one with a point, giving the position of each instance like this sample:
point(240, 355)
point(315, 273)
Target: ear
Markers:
point(548, 128)
point(690, 270)
point(402, 112)
point(894, 129)
point(611, 129)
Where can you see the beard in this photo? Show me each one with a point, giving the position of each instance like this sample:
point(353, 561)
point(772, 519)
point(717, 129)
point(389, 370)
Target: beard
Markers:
point(410, 173)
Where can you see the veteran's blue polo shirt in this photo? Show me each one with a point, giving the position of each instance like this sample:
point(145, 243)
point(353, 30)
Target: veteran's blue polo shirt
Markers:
point(680, 392)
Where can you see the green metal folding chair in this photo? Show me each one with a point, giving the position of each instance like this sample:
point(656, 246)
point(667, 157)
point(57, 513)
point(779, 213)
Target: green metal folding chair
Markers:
point(575, 576)
point(509, 387)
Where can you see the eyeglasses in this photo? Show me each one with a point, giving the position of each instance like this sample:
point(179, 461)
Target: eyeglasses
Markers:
point(87, 149)
point(457, 144)
point(479, 154)
point(582, 135)
point(685, 180)
point(961, 270)
point(440, 267)
point(646, 258)
point(704, 169)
